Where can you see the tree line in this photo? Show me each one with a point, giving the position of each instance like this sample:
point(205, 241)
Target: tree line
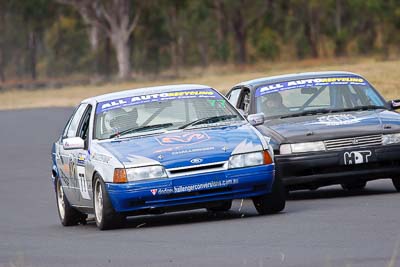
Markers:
point(106, 38)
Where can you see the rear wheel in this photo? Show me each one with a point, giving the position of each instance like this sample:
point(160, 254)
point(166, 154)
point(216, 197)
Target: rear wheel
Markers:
point(272, 202)
point(354, 186)
point(396, 183)
point(105, 215)
point(224, 206)
point(68, 215)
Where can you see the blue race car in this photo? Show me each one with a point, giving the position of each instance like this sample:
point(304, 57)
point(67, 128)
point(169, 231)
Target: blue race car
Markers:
point(325, 127)
point(160, 149)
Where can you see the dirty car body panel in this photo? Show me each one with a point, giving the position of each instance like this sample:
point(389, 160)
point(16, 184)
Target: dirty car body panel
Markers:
point(330, 127)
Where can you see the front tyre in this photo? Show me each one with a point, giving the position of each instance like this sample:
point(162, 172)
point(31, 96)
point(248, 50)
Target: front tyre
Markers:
point(396, 183)
point(224, 206)
point(105, 215)
point(68, 215)
point(354, 186)
point(272, 202)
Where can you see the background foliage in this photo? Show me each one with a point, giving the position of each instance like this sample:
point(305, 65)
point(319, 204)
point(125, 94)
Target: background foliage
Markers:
point(47, 39)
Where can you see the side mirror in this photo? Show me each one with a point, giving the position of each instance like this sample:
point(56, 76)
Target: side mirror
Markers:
point(395, 104)
point(256, 119)
point(73, 143)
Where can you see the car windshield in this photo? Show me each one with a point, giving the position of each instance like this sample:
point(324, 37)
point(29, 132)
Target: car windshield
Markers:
point(153, 113)
point(314, 96)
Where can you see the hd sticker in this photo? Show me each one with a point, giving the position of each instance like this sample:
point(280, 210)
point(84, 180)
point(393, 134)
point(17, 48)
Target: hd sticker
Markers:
point(338, 119)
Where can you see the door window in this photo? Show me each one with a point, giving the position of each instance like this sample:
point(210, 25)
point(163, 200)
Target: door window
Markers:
point(71, 129)
point(233, 97)
point(244, 100)
point(83, 131)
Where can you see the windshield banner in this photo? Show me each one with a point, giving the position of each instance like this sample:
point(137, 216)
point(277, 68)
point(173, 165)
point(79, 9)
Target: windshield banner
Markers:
point(167, 96)
point(277, 87)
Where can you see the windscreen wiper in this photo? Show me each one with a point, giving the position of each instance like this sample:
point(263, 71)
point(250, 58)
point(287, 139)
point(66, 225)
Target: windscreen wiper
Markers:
point(357, 108)
point(307, 112)
point(212, 119)
point(142, 128)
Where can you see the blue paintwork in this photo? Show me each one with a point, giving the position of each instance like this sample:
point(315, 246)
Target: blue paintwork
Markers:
point(177, 149)
point(126, 197)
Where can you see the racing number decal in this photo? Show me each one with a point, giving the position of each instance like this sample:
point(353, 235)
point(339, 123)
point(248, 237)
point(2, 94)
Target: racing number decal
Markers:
point(83, 187)
point(357, 157)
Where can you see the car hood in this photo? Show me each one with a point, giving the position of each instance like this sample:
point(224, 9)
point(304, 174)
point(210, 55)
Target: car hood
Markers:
point(183, 148)
point(331, 126)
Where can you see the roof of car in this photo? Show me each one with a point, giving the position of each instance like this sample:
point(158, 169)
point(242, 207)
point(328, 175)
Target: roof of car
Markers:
point(289, 77)
point(145, 91)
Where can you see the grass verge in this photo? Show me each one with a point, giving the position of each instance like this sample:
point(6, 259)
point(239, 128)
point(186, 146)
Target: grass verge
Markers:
point(382, 74)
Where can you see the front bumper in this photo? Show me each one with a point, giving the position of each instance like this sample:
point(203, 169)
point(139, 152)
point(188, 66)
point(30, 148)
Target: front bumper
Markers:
point(327, 168)
point(191, 190)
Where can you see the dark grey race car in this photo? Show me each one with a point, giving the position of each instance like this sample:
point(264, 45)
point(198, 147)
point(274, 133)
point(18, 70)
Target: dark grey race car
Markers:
point(325, 127)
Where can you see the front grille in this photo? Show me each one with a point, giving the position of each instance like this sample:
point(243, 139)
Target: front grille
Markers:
point(196, 169)
point(367, 140)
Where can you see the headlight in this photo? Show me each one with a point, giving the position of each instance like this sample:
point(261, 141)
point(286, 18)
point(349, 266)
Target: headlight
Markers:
point(145, 173)
point(302, 147)
point(388, 139)
point(249, 159)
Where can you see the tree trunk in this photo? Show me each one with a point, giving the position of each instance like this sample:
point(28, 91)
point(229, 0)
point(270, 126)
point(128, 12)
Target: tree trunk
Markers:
point(107, 58)
point(242, 48)
point(94, 37)
point(312, 30)
point(202, 47)
point(176, 41)
point(338, 16)
point(2, 47)
point(32, 53)
point(240, 37)
point(174, 57)
point(222, 30)
point(340, 38)
point(2, 76)
point(94, 40)
point(114, 18)
point(121, 46)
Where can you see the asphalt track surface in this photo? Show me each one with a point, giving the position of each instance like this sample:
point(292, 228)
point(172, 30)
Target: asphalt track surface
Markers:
point(327, 227)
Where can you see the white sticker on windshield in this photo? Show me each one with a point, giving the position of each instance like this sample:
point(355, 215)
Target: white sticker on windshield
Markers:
point(295, 84)
point(158, 97)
